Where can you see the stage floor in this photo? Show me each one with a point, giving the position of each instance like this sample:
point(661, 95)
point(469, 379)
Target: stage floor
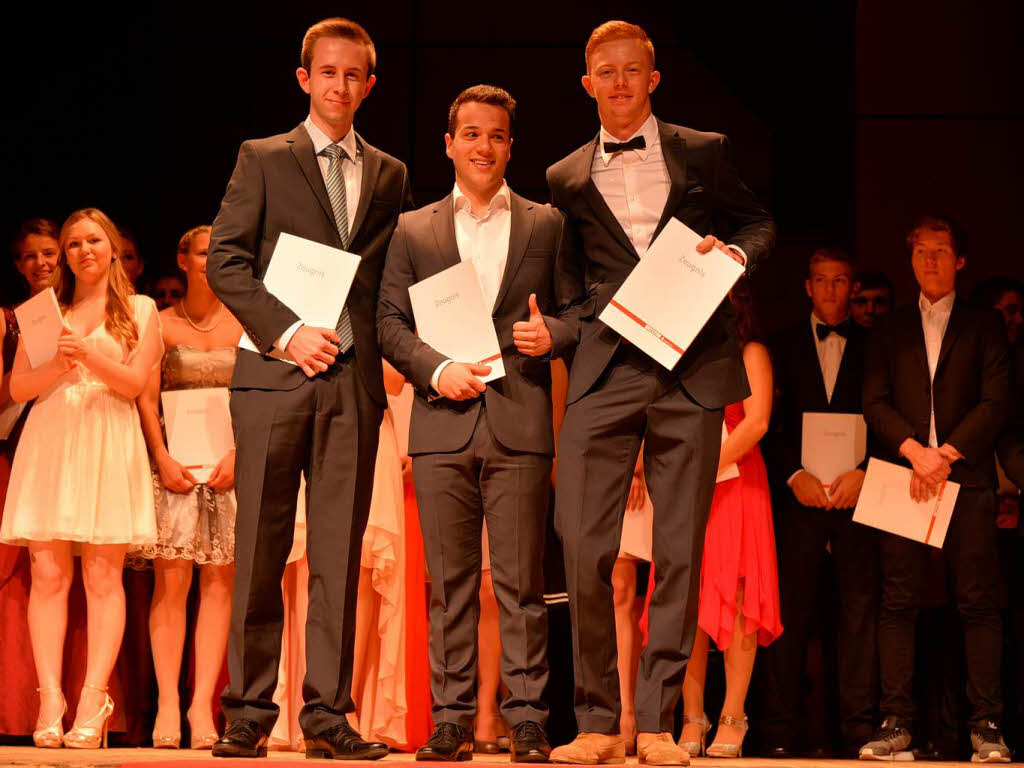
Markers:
point(160, 758)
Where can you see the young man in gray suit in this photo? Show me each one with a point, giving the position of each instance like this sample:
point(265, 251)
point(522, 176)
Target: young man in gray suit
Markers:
point(321, 417)
point(618, 191)
point(483, 451)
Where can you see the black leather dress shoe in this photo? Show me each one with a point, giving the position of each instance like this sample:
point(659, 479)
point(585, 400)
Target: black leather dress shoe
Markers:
point(341, 742)
point(448, 743)
point(243, 738)
point(529, 743)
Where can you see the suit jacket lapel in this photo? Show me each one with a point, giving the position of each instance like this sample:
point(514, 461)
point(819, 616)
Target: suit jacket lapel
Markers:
point(583, 180)
point(673, 149)
point(814, 367)
point(916, 331)
point(523, 217)
point(953, 329)
point(302, 150)
point(443, 224)
point(371, 170)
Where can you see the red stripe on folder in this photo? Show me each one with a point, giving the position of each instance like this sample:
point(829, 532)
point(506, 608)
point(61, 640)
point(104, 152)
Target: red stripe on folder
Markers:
point(935, 513)
point(645, 326)
point(490, 359)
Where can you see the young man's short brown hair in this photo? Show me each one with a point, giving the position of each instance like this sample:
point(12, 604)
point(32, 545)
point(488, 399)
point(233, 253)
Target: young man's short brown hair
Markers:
point(482, 94)
point(338, 27)
point(617, 30)
point(940, 224)
point(829, 253)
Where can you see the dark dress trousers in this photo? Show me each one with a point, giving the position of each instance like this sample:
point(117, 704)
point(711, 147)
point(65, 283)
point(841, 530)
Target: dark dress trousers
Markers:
point(484, 458)
point(287, 425)
point(971, 394)
point(619, 397)
point(802, 534)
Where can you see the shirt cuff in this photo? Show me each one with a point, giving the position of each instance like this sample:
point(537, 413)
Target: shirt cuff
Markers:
point(437, 375)
point(282, 342)
point(789, 482)
point(741, 252)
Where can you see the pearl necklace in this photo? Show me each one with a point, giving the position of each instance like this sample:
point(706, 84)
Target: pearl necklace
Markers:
point(207, 329)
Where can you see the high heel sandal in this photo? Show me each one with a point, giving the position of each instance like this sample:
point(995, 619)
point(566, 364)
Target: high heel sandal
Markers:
point(718, 749)
point(51, 736)
point(695, 748)
point(172, 741)
point(206, 740)
point(93, 734)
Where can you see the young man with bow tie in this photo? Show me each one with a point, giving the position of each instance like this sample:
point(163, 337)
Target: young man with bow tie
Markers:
point(483, 451)
point(618, 191)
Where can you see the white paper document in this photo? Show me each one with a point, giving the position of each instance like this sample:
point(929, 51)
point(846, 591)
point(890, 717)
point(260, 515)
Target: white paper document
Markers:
point(198, 425)
point(451, 317)
point(729, 471)
point(311, 279)
point(671, 293)
point(40, 322)
point(832, 443)
point(885, 504)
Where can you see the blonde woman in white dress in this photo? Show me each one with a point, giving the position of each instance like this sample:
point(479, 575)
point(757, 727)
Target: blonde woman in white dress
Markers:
point(80, 480)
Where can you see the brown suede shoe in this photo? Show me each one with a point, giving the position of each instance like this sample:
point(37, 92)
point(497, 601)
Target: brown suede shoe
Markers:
point(591, 749)
point(659, 749)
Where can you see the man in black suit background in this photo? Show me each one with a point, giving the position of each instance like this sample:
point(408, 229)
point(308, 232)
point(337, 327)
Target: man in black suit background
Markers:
point(320, 417)
point(818, 365)
point(483, 451)
point(618, 191)
point(936, 397)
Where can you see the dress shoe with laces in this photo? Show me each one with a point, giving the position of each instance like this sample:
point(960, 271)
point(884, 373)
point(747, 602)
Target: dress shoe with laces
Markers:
point(591, 749)
point(988, 744)
point(660, 749)
point(243, 738)
point(448, 743)
point(343, 742)
point(529, 743)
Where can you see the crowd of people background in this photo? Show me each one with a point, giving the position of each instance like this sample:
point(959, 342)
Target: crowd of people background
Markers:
point(92, 478)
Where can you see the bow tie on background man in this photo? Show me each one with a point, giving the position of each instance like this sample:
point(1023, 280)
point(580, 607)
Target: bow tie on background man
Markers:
point(842, 329)
point(637, 142)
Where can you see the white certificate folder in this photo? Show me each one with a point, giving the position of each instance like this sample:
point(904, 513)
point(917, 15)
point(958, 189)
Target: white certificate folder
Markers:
point(671, 293)
point(198, 424)
point(311, 279)
point(40, 322)
point(832, 444)
point(452, 317)
point(885, 504)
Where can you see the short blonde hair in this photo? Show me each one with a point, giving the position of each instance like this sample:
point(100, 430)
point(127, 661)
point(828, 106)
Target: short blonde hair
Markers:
point(186, 240)
point(617, 30)
point(344, 29)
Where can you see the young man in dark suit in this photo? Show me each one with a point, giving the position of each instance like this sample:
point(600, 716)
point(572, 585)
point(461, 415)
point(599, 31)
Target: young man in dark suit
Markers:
point(320, 417)
point(818, 364)
point(483, 451)
point(618, 191)
point(936, 397)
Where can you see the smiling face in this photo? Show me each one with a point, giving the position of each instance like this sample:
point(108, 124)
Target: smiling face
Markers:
point(621, 78)
point(337, 83)
point(193, 261)
point(36, 259)
point(480, 148)
point(88, 251)
point(935, 263)
point(829, 287)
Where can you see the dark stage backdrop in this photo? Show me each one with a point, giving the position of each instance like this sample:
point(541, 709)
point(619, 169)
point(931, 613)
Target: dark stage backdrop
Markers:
point(140, 112)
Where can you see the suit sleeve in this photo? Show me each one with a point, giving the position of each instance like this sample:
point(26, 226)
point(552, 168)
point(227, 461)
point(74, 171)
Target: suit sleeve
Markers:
point(1011, 443)
point(787, 442)
point(399, 343)
point(232, 266)
point(568, 292)
point(742, 220)
point(886, 423)
point(978, 430)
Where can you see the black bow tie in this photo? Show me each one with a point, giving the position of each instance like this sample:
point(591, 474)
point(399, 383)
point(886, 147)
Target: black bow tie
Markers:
point(637, 142)
point(823, 330)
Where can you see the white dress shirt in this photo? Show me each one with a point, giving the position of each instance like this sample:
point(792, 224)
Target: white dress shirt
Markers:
point(830, 357)
point(934, 319)
point(351, 169)
point(484, 241)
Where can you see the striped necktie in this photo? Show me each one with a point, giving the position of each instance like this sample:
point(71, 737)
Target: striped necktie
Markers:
point(336, 192)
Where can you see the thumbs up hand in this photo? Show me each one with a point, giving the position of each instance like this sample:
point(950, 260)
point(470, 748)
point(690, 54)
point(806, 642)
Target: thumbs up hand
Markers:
point(532, 337)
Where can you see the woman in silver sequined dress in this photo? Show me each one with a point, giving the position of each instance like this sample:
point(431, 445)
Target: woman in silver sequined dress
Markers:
point(195, 521)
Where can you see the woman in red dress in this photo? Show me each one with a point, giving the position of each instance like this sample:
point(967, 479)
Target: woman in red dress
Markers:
point(739, 586)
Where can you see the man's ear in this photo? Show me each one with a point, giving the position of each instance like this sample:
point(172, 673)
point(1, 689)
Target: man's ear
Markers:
point(961, 262)
point(303, 77)
point(588, 86)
